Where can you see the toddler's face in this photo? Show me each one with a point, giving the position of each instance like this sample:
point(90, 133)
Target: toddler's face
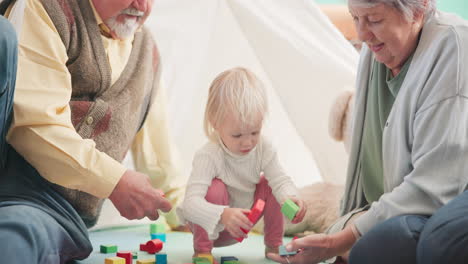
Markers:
point(239, 138)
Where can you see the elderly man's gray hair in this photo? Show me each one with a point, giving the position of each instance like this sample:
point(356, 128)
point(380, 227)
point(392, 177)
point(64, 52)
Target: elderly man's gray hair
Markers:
point(407, 7)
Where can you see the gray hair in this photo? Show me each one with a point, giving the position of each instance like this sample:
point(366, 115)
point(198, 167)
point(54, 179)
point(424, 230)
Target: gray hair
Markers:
point(407, 7)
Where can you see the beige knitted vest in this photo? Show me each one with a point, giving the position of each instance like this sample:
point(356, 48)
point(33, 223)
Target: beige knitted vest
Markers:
point(109, 114)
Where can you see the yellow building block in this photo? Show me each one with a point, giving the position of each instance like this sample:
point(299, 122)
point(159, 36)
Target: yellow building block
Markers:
point(207, 256)
point(114, 260)
point(146, 261)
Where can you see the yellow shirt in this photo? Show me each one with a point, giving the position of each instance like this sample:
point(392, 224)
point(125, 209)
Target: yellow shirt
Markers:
point(42, 130)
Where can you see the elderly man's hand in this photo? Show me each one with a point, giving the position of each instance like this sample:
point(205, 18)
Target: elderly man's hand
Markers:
point(135, 198)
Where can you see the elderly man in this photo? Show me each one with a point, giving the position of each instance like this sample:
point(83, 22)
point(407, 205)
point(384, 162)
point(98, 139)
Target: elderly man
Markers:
point(87, 91)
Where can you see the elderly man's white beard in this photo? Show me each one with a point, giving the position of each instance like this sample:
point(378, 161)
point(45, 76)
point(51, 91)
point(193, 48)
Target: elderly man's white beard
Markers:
point(127, 28)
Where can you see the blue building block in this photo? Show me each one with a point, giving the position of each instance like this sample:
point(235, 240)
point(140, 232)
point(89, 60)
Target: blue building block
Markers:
point(161, 258)
point(160, 236)
point(284, 252)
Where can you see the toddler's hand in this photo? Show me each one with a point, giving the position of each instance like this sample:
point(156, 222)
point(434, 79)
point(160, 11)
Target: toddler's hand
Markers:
point(302, 210)
point(234, 219)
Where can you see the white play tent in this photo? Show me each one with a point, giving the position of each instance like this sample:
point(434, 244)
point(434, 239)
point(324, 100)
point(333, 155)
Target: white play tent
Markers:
point(290, 44)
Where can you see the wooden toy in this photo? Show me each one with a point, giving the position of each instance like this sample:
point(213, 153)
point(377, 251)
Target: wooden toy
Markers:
point(108, 248)
point(289, 209)
point(255, 214)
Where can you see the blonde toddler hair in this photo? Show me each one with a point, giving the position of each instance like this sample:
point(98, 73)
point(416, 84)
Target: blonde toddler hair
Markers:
point(237, 90)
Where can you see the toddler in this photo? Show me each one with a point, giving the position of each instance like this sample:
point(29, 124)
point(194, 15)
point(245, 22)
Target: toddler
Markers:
point(227, 174)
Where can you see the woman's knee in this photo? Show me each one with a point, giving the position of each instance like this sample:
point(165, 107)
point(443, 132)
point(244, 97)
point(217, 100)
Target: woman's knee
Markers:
point(393, 241)
point(445, 236)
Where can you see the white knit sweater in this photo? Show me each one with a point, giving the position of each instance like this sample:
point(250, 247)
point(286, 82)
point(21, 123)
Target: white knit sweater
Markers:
point(239, 173)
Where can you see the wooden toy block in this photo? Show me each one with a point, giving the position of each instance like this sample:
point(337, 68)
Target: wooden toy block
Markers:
point(160, 236)
point(289, 209)
point(206, 256)
point(161, 258)
point(108, 248)
point(152, 246)
point(284, 252)
point(200, 260)
point(157, 228)
point(255, 214)
point(146, 261)
point(114, 260)
point(229, 259)
point(127, 255)
point(203, 261)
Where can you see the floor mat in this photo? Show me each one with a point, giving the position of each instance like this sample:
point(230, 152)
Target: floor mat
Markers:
point(178, 246)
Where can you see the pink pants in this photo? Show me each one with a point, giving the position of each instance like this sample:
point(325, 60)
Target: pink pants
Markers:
point(274, 222)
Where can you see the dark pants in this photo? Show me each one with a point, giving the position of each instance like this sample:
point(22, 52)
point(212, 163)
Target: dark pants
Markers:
point(414, 239)
point(8, 63)
point(36, 224)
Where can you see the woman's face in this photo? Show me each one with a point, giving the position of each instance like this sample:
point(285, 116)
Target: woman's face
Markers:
point(387, 33)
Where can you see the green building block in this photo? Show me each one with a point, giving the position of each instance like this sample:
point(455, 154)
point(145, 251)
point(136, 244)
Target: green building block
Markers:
point(198, 260)
point(289, 209)
point(135, 254)
point(108, 248)
point(157, 228)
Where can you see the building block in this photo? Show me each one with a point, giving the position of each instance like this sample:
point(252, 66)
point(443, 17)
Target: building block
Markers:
point(134, 255)
point(127, 255)
point(157, 228)
point(229, 259)
point(160, 236)
point(200, 260)
point(152, 246)
point(284, 252)
point(255, 214)
point(108, 248)
point(161, 258)
point(114, 260)
point(146, 261)
point(209, 257)
point(289, 209)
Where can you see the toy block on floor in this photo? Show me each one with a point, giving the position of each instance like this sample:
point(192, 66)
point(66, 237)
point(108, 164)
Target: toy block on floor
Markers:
point(229, 260)
point(289, 209)
point(209, 257)
point(108, 248)
point(200, 260)
point(161, 258)
point(152, 246)
point(283, 252)
point(127, 255)
point(157, 228)
point(254, 215)
point(160, 236)
point(146, 261)
point(114, 260)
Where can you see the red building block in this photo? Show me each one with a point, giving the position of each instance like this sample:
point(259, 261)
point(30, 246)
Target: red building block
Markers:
point(153, 246)
point(127, 255)
point(255, 214)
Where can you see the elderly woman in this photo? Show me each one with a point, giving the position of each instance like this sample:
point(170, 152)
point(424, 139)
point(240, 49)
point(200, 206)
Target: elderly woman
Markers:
point(409, 154)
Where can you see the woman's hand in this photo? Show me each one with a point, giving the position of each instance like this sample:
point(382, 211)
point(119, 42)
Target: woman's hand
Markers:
point(234, 219)
point(317, 247)
point(302, 210)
